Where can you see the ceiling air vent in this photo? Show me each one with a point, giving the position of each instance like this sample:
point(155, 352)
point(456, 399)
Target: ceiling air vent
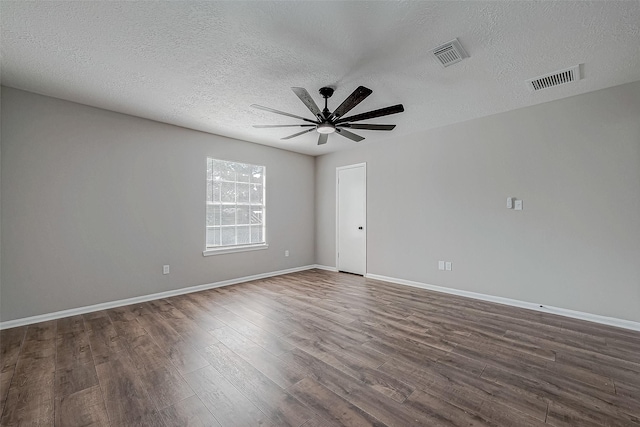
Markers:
point(554, 79)
point(450, 53)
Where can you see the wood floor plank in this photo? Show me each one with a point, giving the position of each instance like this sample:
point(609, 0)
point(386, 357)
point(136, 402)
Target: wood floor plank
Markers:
point(185, 358)
point(74, 379)
point(356, 368)
point(30, 396)
point(629, 344)
point(207, 302)
point(165, 386)
point(318, 312)
point(125, 322)
point(73, 348)
point(103, 338)
point(151, 418)
point(389, 332)
point(31, 403)
point(272, 400)
point(409, 350)
point(224, 401)
point(318, 421)
point(439, 378)
point(359, 393)
point(82, 408)
point(318, 325)
point(197, 313)
point(321, 352)
point(125, 397)
point(10, 345)
point(5, 383)
point(189, 412)
point(35, 365)
point(41, 332)
point(146, 354)
point(532, 366)
point(488, 408)
point(162, 381)
point(259, 336)
point(443, 412)
point(192, 333)
point(282, 373)
point(69, 325)
point(159, 328)
point(269, 325)
point(164, 308)
point(622, 370)
point(577, 345)
point(330, 406)
point(566, 416)
point(626, 390)
point(581, 397)
point(317, 348)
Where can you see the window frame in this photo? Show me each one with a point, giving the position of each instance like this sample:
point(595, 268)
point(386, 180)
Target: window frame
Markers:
point(219, 250)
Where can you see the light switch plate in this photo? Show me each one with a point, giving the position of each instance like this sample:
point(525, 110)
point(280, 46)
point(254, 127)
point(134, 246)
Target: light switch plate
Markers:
point(447, 266)
point(165, 269)
point(518, 205)
point(509, 202)
point(440, 265)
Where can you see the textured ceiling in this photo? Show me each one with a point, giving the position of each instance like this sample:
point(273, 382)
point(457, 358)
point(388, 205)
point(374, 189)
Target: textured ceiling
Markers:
point(201, 64)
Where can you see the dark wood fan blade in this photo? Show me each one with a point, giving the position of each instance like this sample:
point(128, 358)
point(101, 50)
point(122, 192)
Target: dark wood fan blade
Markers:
point(352, 100)
point(271, 110)
point(366, 126)
point(280, 126)
point(299, 133)
point(372, 114)
point(322, 139)
point(308, 101)
point(352, 136)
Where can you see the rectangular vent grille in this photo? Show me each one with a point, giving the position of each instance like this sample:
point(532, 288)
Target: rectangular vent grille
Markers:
point(450, 53)
point(554, 79)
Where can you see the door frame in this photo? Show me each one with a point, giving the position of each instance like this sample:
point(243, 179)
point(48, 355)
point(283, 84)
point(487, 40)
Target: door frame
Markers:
point(338, 169)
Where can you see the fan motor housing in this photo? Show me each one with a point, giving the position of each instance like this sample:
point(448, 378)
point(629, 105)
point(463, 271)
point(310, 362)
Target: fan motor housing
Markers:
point(326, 92)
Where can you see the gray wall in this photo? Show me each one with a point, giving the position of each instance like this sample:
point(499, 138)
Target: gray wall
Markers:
point(95, 202)
point(441, 195)
point(0, 202)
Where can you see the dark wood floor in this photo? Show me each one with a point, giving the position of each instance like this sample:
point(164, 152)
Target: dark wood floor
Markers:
point(319, 349)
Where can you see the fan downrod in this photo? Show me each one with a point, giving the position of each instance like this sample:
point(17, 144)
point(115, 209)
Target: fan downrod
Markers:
point(326, 93)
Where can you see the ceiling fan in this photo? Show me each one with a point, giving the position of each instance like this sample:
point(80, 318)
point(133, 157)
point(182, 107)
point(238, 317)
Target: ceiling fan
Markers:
point(327, 122)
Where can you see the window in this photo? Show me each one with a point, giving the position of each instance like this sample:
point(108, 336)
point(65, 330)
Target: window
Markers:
point(235, 207)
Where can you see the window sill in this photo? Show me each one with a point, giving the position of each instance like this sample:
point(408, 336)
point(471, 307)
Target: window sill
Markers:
point(233, 249)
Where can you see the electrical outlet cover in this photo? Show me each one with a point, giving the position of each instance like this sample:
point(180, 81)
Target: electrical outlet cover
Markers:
point(448, 266)
point(518, 205)
point(440, 265)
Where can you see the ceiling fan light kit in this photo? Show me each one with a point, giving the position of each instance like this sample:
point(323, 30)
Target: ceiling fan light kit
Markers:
point(326, 128)
point(328, 122)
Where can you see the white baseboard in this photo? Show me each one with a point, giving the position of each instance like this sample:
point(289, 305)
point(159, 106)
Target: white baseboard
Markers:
point(325, 267)
point(611, 321)
point(119, 303)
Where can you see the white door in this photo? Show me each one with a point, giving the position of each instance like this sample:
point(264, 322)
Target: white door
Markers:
point(351, 219)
